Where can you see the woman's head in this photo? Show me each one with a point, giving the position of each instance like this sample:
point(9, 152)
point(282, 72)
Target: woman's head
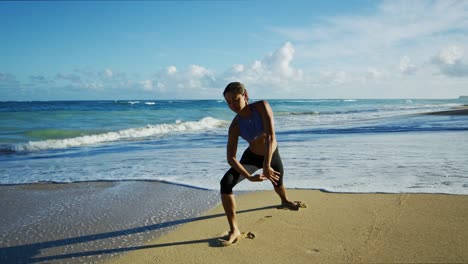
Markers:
point(236, 96)
point(235, 87)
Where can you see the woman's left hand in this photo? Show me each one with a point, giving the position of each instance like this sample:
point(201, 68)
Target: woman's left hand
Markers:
point(272, 175)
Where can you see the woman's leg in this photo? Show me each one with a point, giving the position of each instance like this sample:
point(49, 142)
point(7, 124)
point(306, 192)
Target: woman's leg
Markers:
point(281, 191)
point(277, 165)
point(229, 205)
point(229, 180)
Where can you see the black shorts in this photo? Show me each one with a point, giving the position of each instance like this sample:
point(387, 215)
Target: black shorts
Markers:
point(252, 162)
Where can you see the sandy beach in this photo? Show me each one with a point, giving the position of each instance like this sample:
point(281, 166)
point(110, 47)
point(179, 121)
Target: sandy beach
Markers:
point(112, 222)
point(335, 228)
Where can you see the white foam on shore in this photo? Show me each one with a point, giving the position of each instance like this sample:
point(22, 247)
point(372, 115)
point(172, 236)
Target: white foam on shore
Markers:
point(204, 124)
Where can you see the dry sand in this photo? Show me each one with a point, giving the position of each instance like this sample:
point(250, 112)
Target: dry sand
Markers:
point(335, 228)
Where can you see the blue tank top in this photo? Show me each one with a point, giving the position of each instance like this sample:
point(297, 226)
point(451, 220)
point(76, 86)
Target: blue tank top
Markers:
point(251, 127)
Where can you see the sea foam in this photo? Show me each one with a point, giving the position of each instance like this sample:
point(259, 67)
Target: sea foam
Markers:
point(204, 124)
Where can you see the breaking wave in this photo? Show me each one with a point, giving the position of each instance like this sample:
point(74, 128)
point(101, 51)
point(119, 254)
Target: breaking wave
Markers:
point(204, 124)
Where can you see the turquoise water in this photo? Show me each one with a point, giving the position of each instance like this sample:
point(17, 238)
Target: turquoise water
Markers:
point(335, 145)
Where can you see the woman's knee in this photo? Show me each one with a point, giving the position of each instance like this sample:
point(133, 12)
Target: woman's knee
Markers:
point(225, 187)
point(228, 182)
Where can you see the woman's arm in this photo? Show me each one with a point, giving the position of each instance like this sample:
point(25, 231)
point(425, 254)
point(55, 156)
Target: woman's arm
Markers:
point(233, 137)
point(270, 138)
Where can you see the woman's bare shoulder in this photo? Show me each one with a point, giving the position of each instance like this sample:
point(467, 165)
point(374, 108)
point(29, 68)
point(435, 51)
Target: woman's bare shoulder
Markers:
point(260, 103)
point(234, 127)
point(262, 106)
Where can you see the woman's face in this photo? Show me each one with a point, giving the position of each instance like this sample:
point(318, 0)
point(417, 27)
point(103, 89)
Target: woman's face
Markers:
point(236, 101)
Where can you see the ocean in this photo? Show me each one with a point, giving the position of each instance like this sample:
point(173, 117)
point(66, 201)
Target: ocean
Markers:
point(334, 145)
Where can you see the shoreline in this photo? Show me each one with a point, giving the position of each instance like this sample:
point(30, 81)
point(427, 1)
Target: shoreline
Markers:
point(88, 222)
point(461, 110)
point(52, 185)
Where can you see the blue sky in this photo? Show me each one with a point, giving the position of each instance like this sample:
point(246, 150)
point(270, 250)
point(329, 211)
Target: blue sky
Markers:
point(58, 50)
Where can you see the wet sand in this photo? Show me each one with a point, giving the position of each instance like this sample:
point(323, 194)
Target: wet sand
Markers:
point(462, 110)
point(90, 221)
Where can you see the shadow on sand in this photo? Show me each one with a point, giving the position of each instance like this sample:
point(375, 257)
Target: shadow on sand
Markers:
point(27, 253)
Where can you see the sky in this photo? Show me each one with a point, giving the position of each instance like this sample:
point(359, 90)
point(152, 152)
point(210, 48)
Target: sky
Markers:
point(90, 50)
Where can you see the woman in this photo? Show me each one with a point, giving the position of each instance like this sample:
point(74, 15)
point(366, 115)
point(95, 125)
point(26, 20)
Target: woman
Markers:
point(254, 123)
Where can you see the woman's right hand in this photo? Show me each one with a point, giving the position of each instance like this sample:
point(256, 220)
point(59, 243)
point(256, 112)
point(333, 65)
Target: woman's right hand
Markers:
point(271, 175)
point(257, 178)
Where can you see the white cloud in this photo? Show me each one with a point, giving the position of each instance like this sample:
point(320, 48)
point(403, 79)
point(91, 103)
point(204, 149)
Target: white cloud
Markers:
point(198, 71)
point(396, 26)
point(171, 70)
point(93, 85)
point(161, 86)
point(147, 85)
point(196, 81)
point(340, 77)
point(237, 68)
point(406, 66)
point(109, 73)
point(373, 73)
point(273, 73)
point(449, 56)
point(450, 62)
point(106, 80)
point(398, 40)
point(69, 77)
point(280, 61)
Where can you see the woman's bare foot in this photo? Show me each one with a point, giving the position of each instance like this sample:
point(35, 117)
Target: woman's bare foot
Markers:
point(292, 205)
point(232, 238)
